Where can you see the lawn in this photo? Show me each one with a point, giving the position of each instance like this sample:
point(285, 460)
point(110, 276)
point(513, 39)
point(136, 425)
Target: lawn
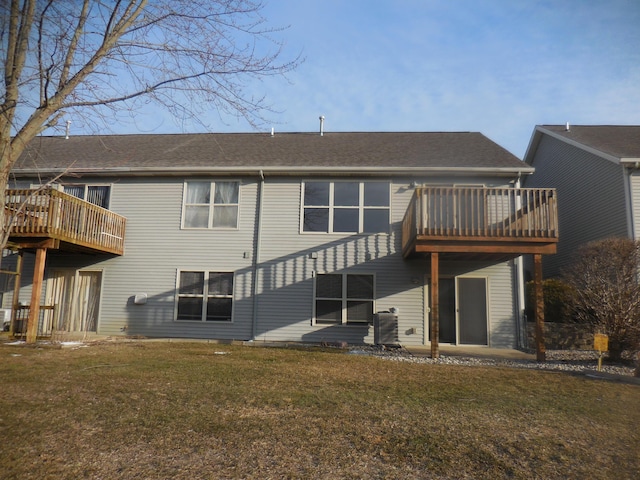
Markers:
point(159, 410)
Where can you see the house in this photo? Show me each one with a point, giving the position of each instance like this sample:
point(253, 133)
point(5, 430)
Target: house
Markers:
point(595, 172)
point(288, 237)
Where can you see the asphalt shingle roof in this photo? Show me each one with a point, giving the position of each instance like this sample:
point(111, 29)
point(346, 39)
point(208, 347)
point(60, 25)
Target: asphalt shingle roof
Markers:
point(622, 141)
point(290, 150)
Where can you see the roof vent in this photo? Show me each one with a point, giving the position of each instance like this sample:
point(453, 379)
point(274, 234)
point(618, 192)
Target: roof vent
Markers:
point(321, 125)
point(66, 136)
point(567, 127)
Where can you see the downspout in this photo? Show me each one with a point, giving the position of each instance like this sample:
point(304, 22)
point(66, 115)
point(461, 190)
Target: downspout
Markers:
point(628, 186)
point(256, 256)
point(518, 277)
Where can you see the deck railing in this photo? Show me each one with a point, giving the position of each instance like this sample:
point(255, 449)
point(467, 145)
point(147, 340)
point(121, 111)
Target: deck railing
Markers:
point(47, 321)
point(49, 213)
point(483, 214)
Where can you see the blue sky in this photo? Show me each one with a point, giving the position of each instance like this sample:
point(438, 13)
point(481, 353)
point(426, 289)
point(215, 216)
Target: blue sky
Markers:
point(499, 67)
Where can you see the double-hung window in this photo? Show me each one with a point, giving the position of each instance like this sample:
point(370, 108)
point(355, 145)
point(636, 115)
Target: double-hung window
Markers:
point(205, 296)
point(211, 204)
point(343, 298)
point(346, 207)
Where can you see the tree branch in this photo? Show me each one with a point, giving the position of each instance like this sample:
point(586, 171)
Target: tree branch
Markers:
point(73, 45)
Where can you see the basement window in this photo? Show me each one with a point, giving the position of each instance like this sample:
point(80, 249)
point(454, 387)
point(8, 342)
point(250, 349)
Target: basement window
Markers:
point(205, 296)
point(343, 298)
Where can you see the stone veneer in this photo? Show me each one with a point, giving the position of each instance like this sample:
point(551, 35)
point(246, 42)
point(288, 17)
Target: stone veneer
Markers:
point(563, 336)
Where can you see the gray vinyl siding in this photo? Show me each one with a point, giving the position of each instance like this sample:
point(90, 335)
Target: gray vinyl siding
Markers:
point(286, 289)
point(286, 295)
point(156, 248)
point(501, 307)
point(591, 197)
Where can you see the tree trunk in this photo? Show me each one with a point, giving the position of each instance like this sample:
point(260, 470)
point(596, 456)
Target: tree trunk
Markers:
point(615, 350)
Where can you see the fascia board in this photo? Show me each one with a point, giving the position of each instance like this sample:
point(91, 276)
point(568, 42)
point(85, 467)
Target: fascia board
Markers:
point(534, 141)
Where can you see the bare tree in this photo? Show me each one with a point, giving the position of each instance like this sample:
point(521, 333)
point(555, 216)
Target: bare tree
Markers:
point(606, 291)
point(99, 57)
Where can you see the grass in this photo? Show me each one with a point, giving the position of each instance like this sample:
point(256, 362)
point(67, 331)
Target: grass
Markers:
point(193, 410)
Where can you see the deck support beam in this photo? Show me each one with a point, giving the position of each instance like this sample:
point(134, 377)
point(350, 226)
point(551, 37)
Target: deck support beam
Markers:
point(435, 305)
point(36, 292)
point(541, 354)
point(15, 303)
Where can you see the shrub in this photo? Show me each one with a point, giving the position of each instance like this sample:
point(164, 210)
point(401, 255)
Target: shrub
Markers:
point(557, 296)
point(606, 291)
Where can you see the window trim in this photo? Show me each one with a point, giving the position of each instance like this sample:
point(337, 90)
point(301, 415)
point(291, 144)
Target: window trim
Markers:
point(211, 204)
point(361, 207)
point(344, 299)
point(205, 296)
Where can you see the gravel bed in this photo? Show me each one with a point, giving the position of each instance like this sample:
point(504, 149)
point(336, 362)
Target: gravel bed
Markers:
point(579, 361)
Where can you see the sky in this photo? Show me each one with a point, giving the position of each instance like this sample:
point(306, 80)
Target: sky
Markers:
point(498, 67)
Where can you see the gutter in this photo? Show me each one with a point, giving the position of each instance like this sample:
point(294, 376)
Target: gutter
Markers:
point(281, 171)
point(627, 181)
point(630, 162)
point(518, 278)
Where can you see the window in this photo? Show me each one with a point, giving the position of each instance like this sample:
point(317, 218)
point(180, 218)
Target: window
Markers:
point(211, 205)
point(346, 207)
point(96, 194)
point(343, 298)
point(205, 296)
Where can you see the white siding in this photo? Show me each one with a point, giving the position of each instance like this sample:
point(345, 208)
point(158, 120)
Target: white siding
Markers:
point(635, 203)
point(502, 318)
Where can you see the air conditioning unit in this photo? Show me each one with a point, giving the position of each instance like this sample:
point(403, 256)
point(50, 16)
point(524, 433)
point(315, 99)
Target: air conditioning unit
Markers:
point(5, 319)
point(385, 328)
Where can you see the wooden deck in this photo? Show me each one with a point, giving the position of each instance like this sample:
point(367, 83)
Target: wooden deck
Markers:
point(58, 220)
point(476, 222)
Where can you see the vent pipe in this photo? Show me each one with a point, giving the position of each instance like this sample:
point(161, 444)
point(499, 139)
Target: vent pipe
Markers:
point(321, 125)
point(567, 127)
point(273, 131)
point(66, 136)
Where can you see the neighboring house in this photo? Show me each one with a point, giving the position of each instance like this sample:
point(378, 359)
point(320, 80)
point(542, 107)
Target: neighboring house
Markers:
point(286, 237)
point(595, 170)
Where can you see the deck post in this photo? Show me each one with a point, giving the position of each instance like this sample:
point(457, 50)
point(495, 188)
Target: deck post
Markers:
point(15, 303)
point(541, 355)
point(34, 308)
point(435, 305)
